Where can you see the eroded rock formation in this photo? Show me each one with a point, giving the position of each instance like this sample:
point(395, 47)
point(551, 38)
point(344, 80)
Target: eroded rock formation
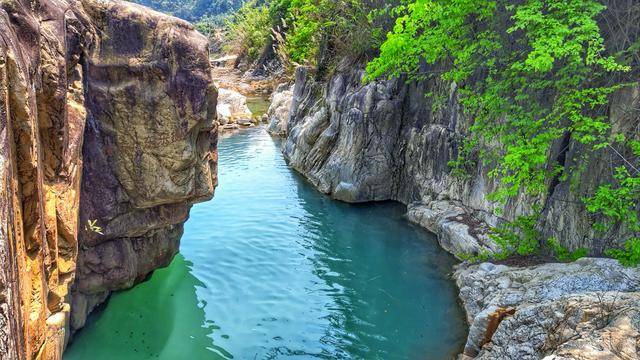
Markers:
point(107, 138)
point(388, 140)
point(278, 111)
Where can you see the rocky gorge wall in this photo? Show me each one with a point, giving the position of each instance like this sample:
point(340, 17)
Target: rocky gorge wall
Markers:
point(392, 140)
point(388, 140)
point(107, 137)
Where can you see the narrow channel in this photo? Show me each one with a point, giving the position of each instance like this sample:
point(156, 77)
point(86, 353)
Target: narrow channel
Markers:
point(273, 269)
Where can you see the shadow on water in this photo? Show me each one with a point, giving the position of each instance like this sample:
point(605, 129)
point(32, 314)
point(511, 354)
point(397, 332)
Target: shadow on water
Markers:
point(160, 319)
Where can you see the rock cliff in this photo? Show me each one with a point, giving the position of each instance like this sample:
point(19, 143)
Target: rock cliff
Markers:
point(388, 140)
point(278, 111)
point(107, 138)
point(393, 140)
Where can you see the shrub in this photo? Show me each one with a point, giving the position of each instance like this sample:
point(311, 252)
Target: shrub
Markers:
point(563, 254)
point(547, 78)
point(518, 237)
point(207, 25)
point(320, 32)
point(629, 255)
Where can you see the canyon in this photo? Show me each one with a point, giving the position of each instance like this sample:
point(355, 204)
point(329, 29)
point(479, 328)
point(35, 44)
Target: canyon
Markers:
point(107, 137)
point(392, 140)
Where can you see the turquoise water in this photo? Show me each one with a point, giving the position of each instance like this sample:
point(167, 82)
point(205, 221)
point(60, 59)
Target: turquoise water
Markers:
point(271, 269)
point(258, 106)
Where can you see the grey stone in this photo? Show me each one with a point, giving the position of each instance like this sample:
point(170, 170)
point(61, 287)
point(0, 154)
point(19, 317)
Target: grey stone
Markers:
point(278, 114)
point(545, 297)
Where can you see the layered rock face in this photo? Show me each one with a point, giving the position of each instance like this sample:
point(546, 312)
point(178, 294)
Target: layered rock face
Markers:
point(278, 112)
point(107, 138)
point(388, 140)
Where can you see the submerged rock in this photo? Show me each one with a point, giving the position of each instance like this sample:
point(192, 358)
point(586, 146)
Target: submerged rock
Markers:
point(107, 137)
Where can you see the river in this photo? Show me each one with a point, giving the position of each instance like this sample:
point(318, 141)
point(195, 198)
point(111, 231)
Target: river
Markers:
point(271, 269)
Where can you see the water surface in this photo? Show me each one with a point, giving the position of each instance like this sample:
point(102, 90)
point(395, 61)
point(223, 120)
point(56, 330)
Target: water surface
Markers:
point(258, 105)
point(271, 269)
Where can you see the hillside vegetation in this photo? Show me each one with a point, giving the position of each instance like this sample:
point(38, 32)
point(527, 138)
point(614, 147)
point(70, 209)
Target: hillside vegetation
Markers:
point(532, 75)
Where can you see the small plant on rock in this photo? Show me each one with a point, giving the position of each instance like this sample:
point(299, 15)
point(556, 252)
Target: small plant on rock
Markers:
point(629, 255)
point(563, 254)
point(93, 227)
point(518, 237)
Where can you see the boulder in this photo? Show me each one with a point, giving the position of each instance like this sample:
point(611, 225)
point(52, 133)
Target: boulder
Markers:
point(554, 308)
point(588, 327)
point(459, 231)
point(232, 107)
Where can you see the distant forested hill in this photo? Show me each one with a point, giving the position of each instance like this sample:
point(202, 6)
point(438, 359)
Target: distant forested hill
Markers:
point(194, 10)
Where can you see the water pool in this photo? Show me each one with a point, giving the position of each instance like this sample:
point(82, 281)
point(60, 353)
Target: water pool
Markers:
point(272, 269)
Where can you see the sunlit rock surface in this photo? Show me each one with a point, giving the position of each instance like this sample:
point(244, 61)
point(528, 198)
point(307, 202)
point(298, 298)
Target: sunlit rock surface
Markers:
point(393, 140)
point(232, 108)
point(278, 113)
point(107, 114)
point(589, 309)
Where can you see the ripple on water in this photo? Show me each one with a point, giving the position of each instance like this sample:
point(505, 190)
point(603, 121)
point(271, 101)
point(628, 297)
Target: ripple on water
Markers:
point(272, 269)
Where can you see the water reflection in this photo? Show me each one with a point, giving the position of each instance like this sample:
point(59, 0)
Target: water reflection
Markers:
point(387, 280)
point(161, 319)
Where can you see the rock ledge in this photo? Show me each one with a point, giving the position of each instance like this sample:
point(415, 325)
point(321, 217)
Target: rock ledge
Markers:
point(589, 309)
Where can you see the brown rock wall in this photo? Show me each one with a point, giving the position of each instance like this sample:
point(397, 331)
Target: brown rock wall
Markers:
point(107, 114)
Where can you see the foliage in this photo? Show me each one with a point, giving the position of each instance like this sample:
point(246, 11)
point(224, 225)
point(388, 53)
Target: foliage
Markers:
point(483, 256)
point(629, 255)
point(544, 81)
point(618, 202)
point(320, 31)
point(551, 47)
point(518, 237)
point(208, 24)
point(521, 238)
point(249, 30)
point(563, 254)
